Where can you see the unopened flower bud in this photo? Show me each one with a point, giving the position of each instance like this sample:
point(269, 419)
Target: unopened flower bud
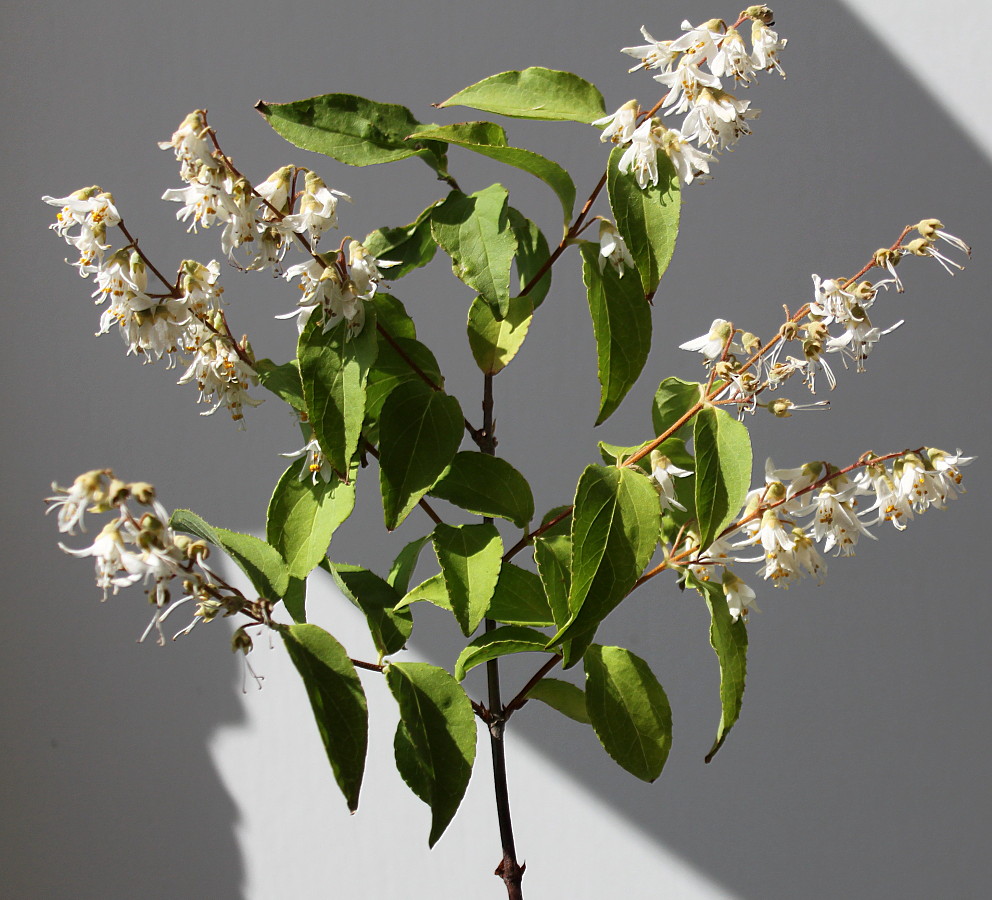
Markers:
point(775, 491)
point(759, 13)
point(143, 492)
point(714, 25)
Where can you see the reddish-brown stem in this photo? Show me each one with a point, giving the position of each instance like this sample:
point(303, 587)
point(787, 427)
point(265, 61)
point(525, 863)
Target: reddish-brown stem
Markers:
point(521, 697)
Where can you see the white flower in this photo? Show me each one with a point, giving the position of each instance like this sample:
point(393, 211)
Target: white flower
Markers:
point(93, 211)
point(892, 504)
point(929, 485)
point(653, 55)
point(700, 42)
point(317, 467)
point(740, 598)
point(206, 199)
point(712, 344)
point(718, 119)
point(613, 249)
point(663, 471)
point(925, 247)
point(318, 209)
point(836, 523)
point(219, 372)
point(733, 60)
point(831, 300)
point(933, 228)
point(620, 125)
point(690, 162)
point(201, 294)
point(275, 190)
point(363, 270)
point(766, 46)
point(685, 85)
point(116, 566)
point(88, 489)
point(191, 144)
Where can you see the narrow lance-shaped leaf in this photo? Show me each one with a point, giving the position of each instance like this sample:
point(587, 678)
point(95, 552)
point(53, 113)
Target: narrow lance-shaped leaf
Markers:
point(334, 367)
point(621, 324)
point(488, 486)
point(728, 638)
point(499, 642)
point(628, 709)
point(470, 558)
point(419, 433)
point(647, 218)
point(304, 514)
point(615, 529)
point(489, 139)
point(352, 130)
point(261, 562)
point(337, 700)
point(435, 740)
point(534, 93)
point(475, 232)
point(723, 471)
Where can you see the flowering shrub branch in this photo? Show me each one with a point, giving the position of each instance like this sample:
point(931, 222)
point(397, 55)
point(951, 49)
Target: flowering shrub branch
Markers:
point(368, 394)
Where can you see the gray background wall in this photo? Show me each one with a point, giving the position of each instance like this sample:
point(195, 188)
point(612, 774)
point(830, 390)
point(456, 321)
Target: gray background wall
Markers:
point(858, 768)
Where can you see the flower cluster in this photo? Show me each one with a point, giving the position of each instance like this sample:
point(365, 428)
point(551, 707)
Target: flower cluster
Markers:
point(139, 547)
point(714, 118)
point(834, 321)
point(257, 220)
point(838, 511)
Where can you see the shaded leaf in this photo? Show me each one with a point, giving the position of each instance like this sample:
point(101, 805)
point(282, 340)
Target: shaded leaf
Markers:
point(470, 558)
point(436, 750)
point(334, 367)
point(534, 93)
point(621, 324)
point(337, 700)
point(647, 218)
point(351, 129)
point(532, 254)
point(519, 599)
point(283, 381)
point(295, 599)
point(628, 709)
point(615, 529)
point(494, 342)
point(302, 516)
point(392, 368)
point(261, 562)
point(728, 638)
point(723, 471)
point(412, 246)
point(499, 642)
point(568, 699)
point(391, 314)
point(488, 486)
point(419, 433)
point(489, 139)
point(475, 232)
point(673, 399)
point(406, 561)
point(433, 590)
point(376, 598)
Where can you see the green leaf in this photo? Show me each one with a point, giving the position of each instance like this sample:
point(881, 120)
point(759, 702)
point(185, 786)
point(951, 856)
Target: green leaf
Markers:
point(673, 399)
point(532, 254)
point(261, 562)
point(334, 366)
point(562, 517)
point(519, 599)
point(303, 516)
point(391, 314)
point(647, 218)
point(470, 557)
point(534, 93)
point(628, 709)
point(433, 590)
point(495, 342)
point(615, 529)
point(499, 642)
point(621, 324)
point(419, 433)
point(283, 381)
point(412, 246)
point(568, 699)
point(475, 232)
point(723, 471)
point(351, 129)
point(337, 700)
point(488, 486)
point(406, 561)
point(376, 599)
point(436, 751)
point(392, 368)
point(553, 557)
point(728, 638)
point(295, 599)
point(489, 139)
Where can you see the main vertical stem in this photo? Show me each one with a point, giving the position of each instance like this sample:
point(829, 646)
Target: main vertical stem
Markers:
point(509, 869)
